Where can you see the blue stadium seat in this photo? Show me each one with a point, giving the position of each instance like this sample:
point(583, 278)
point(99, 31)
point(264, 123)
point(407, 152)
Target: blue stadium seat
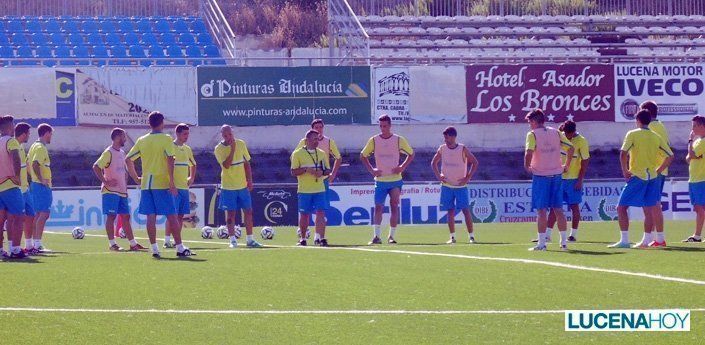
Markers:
point(52, 25)
point(25, 53)
point(19, 39)
point(39, 39)
point(162, 26)
point(2, 26)
point(194, 52)
point(57, 39)
point(100, 53)
point(198, 26)
point(15, 26)
point(132, 39)
point(205, 38)
point(211, 51)
point(120, 53)
point(90, 26)
point(126, 26)
point(112, 39)
point(181, 26)
point(4, 41)
point(44, 52)
point(186, 39)
point(95, 39)
point(175, 52)
point(62, 52)
point(107, 26)
point(167, 39)
point(6, 52)
point(149, 39)
point(137, 52)
point(157, 52)
point(144, 26)
point(81, 52)
point(34, 26)
point(76, 39)
point(71, 26)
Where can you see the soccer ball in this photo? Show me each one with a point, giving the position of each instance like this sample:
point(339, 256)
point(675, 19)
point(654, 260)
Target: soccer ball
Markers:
point(222, 232)
point(207, 232)
point(78, 233)
point(122, 233)
point(267, 233)
point(238, 232)
point(308, 233)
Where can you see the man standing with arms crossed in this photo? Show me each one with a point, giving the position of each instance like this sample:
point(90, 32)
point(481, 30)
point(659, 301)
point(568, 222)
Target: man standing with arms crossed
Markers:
point(235, 184)
point(184, 175)
point(543, 160)
point(156, 152)
point(329, 147)
point(39, 166)
point(387, 148)
point(454, 176)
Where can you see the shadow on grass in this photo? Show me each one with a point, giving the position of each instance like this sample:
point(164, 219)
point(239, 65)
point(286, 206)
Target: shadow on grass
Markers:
point(590, 252)
point(28, 261)
point(186, 259)
point(685, 249)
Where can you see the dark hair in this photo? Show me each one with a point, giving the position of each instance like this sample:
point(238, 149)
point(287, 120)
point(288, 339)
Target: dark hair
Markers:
point(450, 131)
point(22, 128)
point(536, 115)
point(699, 119)
point(6, 120)
point(156, 119)
point(385, 118)
point(117, 131)
point(644, 117)
point(651, 107)
point(315, 121)
point(310, 133)
point(181, 127)
point(43, 129)
point(568, 127)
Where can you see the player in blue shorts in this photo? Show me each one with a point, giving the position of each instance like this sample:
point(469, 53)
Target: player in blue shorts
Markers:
point(22, 136)
point(696, 173)
point(11, 201)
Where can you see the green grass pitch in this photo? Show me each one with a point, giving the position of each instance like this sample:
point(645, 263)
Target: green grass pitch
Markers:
point(83, 275)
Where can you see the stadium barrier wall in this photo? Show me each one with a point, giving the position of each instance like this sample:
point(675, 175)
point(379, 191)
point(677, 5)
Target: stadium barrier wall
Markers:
point(276, 205)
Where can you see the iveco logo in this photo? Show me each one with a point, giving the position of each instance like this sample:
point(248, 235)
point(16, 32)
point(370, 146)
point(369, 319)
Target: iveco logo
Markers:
point(269, 195)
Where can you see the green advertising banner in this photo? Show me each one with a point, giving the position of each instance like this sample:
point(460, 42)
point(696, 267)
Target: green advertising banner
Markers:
point(257, 96)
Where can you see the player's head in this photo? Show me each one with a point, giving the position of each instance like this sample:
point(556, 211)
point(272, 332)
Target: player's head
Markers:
point(699, 125)
point(44, 131)
point(385, 124)
point(7, 124)
point(643, 118)
point(317, 125)
point(449, 134)
point(182, 131)
point(652, 107)
point(22, 132)
point(311, 139)
point(569, 128)
point(156, 120)
point(118, 136)
point(535, 118)
point(227, 133)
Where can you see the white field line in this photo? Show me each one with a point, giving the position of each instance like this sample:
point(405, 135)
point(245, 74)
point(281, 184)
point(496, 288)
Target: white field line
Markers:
point(501, 259)
point(290, 312)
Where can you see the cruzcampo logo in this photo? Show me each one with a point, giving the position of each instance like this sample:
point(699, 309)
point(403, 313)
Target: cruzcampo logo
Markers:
point(483, 209)
point(602, 212)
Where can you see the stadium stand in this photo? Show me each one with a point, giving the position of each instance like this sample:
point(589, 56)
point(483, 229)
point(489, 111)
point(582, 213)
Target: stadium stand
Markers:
point(124, 41)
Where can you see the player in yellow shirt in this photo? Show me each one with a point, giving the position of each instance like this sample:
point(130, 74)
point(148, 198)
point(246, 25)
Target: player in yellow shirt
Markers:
point(235, 184)
point(184, 175)
point(330, 148)
point(310, 166)
point(22, 136)
point(158, 189)
point(657, 127)
point(11, 202)
point(39, 166)
point(641, 165)
point(572, 179)
point(387, 148)
point(696, 172)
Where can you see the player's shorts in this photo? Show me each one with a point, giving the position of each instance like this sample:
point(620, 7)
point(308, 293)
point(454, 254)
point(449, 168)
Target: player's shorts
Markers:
point(641, 193)
point(382, 189)
point(570, 195)
point(234, 200)
point(182, 202)
point(114, 204)
point(311, 202)
point(11, 201)
point(697, 193)
point(41, 197)
point(327, 185)
point(653, 193)
point(546, 192)
point(28, 204)
point(454, 198)
point(157, 201)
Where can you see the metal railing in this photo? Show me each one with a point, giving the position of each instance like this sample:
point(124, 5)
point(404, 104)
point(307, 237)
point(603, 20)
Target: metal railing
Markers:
point(219, 27)
point(351, 37)
point(96, 8)
point(527, 7)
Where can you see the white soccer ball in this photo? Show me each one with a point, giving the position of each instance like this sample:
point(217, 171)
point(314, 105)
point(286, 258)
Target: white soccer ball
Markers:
point(308, 233)
point(207, 232)
point(238, 232)
point(222, 232)
point(78, 233)
point(267, 233)
point(122, 233)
